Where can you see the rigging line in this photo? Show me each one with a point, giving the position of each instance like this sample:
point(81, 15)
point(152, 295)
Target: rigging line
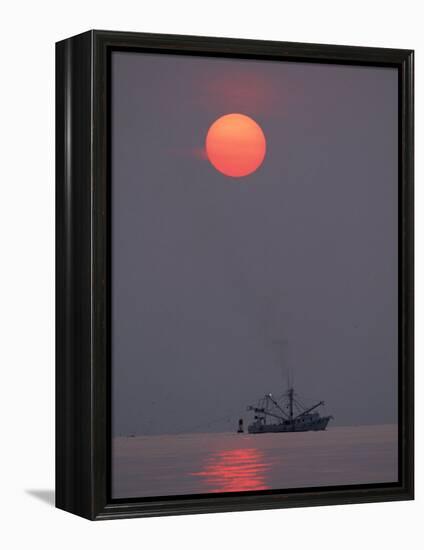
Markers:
point(277, 405)
point(298, 403)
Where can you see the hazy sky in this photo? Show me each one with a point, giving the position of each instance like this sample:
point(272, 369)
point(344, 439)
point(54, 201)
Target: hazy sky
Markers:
point(220, 285)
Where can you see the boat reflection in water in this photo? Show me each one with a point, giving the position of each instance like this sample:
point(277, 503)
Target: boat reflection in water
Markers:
point(234, 470)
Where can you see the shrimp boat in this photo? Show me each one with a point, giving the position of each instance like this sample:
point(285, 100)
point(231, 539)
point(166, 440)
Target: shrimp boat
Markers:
point(286, 414)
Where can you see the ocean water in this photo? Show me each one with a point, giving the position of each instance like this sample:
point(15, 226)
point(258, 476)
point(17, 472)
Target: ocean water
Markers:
point(225, 462)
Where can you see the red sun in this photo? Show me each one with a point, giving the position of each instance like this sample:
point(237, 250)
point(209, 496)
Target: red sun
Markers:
point(235, 145)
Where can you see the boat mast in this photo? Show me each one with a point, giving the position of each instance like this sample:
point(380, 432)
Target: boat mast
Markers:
point(291, 404)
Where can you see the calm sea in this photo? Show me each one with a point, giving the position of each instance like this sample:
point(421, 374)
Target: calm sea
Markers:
point(221, 462)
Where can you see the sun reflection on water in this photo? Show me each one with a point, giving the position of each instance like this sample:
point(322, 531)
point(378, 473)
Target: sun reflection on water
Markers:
point(234, 470)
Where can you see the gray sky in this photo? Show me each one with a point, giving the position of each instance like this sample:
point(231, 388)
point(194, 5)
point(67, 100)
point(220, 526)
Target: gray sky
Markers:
point(220, 285)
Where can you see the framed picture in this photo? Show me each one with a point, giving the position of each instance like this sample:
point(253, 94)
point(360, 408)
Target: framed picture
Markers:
point(234, 274)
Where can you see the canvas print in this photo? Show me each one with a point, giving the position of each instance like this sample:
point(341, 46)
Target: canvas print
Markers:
point(254, 275)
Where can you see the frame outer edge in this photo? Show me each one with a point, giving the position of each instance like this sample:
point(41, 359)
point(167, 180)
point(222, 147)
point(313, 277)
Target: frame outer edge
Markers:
point(74, 417)
point(407, 267)
point(81, 269)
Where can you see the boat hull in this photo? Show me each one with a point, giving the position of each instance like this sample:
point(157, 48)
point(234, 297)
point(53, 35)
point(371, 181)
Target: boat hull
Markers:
point(318, 424)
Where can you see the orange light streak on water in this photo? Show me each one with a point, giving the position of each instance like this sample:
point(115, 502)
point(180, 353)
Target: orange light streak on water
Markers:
point(235, 470)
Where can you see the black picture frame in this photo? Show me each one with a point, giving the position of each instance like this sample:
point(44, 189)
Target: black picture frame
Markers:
point(83, 274)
